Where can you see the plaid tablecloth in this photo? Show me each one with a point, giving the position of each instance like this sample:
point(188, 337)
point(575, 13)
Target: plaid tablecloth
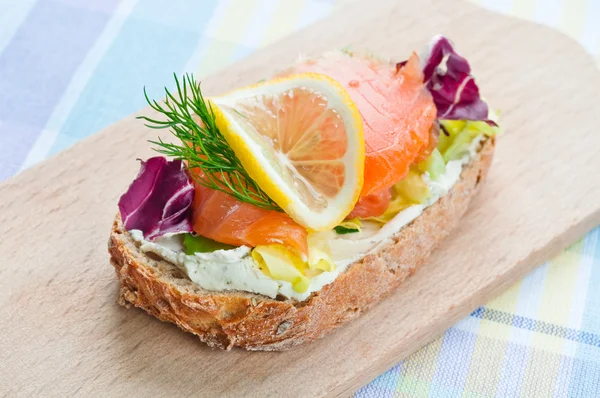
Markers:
point(71, 67)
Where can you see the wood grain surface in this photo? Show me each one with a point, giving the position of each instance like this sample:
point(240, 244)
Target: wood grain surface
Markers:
point(63, 334)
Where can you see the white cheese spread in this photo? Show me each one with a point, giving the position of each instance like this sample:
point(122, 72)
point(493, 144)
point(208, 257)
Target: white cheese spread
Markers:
point(236, 270)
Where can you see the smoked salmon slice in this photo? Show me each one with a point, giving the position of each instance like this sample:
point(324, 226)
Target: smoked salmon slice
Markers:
point(221, 217)
point(376, 204)
point(398, 114)
point(396, 108)
point(372, 205)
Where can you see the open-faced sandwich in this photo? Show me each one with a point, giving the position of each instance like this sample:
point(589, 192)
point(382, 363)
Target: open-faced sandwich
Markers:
point(286, 208)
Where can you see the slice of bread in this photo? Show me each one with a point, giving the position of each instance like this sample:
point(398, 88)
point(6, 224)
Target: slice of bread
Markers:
point(234, 318)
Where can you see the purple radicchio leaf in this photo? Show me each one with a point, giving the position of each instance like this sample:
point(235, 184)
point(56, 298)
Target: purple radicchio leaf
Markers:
point(448, 77)
point(159, 200)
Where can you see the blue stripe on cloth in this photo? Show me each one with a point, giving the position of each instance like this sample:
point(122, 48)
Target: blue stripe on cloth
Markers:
point(145, 53)
point(537, 326)
point(565, 372)
point(517, 354)
point(453, 362)
point(585, 378)
point(514, 364)
point(192, 16)
point(35, 69)
point(585, 381)
point(12, 16)
point(592, 246)
point(104, 6)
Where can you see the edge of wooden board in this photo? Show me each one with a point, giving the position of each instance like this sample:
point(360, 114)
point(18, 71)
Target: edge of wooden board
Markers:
point(43, 197)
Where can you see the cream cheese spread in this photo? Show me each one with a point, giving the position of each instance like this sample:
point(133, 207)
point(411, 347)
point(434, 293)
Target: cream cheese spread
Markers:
point(236, 270)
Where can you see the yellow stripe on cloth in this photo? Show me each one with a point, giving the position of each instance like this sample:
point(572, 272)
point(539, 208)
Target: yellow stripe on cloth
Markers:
point(557, 296)
point(573, 17)
point(418, 370)
point(490, 346)
point(218, 54)
point(236, 19)
point(524, 8)
point(288, 14)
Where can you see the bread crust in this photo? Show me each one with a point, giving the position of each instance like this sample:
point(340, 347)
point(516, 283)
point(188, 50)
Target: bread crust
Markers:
point(256, 322)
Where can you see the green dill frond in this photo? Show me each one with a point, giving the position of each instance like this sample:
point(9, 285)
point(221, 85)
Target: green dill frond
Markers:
point(202, 146)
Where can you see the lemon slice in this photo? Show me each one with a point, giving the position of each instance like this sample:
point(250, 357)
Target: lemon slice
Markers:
point(301, 139)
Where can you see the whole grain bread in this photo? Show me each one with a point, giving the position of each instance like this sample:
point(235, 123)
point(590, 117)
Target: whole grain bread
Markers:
point(226, 319)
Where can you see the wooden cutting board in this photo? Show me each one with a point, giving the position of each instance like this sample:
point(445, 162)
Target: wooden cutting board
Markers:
point(63, 334)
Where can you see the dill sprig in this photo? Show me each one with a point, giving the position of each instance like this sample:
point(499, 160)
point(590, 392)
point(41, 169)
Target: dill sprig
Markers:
point(203, 147)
